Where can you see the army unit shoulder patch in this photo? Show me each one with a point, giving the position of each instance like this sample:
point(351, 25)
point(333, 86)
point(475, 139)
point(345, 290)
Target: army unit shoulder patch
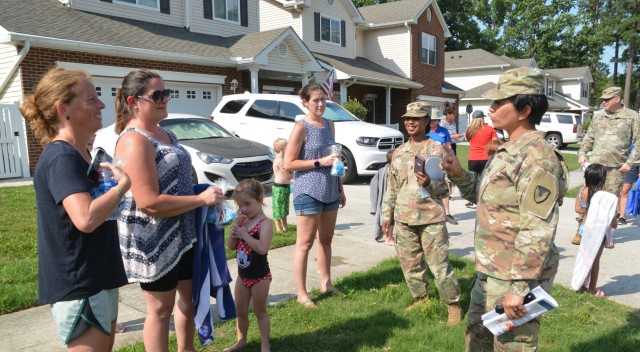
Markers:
point(541, 195)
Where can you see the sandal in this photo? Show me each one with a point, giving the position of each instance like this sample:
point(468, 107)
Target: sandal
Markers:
point(307, 303)
point(600, 293)
point(120, 329)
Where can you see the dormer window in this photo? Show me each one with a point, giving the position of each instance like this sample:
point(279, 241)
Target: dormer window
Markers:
point(549, 87)
point(227, 10)
point(584, 88)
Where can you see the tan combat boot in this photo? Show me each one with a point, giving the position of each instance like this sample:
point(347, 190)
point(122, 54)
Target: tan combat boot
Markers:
point(455, 314)
point(418, 302)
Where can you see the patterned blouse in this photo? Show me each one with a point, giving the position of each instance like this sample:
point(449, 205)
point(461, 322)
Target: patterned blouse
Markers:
point(317, 183)
point(152, 246)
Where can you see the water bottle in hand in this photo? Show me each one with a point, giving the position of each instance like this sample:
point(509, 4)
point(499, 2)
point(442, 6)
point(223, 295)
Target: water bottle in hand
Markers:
point(105, 183)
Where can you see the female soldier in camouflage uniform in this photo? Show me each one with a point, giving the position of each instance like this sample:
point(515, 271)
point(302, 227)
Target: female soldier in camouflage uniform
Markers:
point(518, 202)
point(419, 223)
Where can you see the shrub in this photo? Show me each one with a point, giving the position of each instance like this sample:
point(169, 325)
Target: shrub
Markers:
point(356, 108)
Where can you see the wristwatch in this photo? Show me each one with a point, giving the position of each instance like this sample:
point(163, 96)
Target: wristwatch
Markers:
point(316, 163)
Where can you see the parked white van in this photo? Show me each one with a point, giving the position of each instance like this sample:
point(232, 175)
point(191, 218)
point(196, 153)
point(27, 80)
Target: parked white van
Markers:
point(264, 117)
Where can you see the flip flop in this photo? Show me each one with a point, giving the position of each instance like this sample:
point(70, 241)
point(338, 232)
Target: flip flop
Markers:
point(600, 293)
point(307, 303)
point(120, 329)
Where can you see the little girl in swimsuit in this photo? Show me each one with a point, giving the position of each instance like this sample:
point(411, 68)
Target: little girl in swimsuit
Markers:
point(251, 238)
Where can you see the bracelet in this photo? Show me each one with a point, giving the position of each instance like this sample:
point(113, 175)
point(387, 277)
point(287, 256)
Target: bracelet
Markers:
point(119, 191)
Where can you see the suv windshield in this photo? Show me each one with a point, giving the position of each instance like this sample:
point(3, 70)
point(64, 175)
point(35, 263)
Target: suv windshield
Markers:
point(335, 112)
point(187, 128)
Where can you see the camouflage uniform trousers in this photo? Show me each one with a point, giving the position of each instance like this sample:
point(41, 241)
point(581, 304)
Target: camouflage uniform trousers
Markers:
point(416, 243)
point(488, 292)
point(613, 183)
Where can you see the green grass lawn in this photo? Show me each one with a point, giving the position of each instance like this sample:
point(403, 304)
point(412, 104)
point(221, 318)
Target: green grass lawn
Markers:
point(372, 317)
point(18, 242)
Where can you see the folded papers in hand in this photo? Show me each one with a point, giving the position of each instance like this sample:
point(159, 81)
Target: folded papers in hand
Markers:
point(498, 323)
point(432, 169)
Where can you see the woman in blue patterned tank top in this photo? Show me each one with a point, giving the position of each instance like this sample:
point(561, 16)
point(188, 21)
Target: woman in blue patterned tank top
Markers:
point(316, 193)
point(157, 229)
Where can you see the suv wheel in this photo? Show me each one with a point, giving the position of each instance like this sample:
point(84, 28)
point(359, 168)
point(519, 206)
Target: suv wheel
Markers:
point(555, 140)
point(350, 170)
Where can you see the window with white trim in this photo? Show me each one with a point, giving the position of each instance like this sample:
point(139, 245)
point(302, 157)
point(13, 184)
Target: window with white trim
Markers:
point(330, 30)
point(206, 95)
point(191, 94)
point(549, 87)
point(175, 94)
point(154, 4)
point(227, 10)
point(584, 89)
point(428, 49)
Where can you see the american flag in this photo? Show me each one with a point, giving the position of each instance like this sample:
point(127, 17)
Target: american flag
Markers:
point(327, 85)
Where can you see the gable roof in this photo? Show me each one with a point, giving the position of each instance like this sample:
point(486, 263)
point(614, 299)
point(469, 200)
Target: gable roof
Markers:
point(356, 17)
point(474, 59)
point(558, 102)
point(398, 13)
point(48, 23)
point(572, 73)
point(365, 70)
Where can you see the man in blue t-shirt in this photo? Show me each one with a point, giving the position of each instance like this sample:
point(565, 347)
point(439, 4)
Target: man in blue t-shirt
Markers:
point(441, 136)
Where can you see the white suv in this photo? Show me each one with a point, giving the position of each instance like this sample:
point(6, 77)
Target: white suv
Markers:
point(561, 128)
point(264, 117)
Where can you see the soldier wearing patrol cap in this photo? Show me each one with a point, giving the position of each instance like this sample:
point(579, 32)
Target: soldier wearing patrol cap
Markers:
point(417, 222)
point(609, 139)
point(518, 198)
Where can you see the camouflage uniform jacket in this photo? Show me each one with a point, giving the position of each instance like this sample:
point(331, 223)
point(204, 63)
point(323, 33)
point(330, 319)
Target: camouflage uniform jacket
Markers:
point(403, 200)
point(610, 136)
point(518, 202)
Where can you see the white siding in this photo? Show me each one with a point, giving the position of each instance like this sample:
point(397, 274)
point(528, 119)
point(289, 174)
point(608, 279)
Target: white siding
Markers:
point(291, 63)
point(465, 119)
point(13, 91)
point(360, 42)
point(337, 12)
point(215, 26)
point(471, 79)
point(273, 15)
point(175, 18)
point(570, 89)
point(390, 48)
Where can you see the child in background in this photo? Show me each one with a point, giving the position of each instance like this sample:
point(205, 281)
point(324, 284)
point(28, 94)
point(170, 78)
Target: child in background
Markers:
point(492, 146)
point(251, 238)
point(377, 188)
point(594, 179)
point(280, 190)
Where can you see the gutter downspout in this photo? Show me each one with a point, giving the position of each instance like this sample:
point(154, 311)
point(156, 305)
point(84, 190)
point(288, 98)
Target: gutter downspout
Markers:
point(21, 55)
point(187, 15)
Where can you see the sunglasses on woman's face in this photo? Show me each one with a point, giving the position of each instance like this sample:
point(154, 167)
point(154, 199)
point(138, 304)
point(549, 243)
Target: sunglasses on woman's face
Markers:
point(157, 96)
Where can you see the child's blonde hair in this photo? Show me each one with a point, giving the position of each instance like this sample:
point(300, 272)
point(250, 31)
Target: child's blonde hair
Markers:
point(251, 188)
point(278, 144)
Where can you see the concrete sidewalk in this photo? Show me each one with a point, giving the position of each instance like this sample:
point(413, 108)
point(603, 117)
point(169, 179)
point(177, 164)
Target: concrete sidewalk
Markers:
point(354, 250)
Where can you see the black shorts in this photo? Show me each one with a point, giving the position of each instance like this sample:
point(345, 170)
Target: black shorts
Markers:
point(182, 271)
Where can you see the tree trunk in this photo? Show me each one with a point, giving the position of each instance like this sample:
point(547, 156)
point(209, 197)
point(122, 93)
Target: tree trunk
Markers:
point(616, 55)
point(631, 51)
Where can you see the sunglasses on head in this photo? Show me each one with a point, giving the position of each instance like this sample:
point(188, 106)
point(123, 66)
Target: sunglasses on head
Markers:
point(157, 96)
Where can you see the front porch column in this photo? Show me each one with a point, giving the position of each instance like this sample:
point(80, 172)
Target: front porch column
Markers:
point(254, 79)
point(343, 92)
point(305, 78)
point(388, 105)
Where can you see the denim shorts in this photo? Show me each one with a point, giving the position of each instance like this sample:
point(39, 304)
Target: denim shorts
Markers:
point(631, 176)
point(307, 205)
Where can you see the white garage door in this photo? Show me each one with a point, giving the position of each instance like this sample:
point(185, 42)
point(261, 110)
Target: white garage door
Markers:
point(187, 98)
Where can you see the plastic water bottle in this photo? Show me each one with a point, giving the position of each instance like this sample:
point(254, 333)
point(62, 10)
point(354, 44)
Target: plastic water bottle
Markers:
point(105, 183)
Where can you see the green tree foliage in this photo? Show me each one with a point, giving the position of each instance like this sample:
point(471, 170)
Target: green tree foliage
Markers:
point(464, 27)
point(356, 108)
